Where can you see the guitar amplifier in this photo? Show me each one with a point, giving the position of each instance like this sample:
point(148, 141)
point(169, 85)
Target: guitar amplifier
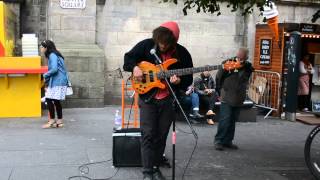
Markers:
point(126, 151)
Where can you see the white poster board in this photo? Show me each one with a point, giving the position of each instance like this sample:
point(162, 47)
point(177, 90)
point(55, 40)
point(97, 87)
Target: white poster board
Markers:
point(73, 4)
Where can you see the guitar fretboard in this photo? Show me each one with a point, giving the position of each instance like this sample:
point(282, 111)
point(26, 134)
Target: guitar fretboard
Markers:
point(186, 71)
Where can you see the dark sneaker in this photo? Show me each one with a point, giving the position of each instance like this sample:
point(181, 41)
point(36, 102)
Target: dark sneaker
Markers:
point(165, 162)
point(218, 147)
point(193, 121)
point(196, 114)
point(147, 176)
point(157, 175)
point(231, 146)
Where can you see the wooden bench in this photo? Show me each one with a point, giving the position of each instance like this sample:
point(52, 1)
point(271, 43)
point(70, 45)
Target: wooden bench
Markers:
point(309, 120)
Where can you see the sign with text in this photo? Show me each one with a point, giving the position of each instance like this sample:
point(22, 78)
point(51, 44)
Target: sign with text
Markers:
point(315, 106)
point(73, 4)
point(308, 28)
point(265, 51)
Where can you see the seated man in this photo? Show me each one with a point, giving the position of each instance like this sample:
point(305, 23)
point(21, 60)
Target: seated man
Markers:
point(204, 87)
point(190, 102)
point(193, 97)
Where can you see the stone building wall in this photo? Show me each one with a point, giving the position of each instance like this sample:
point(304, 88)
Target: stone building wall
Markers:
point(72, 25)
point(122, 23)
point(33, 16)
point(116, 25)
point(74, 32)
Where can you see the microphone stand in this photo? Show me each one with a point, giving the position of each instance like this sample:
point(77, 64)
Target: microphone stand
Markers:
point(153, 52)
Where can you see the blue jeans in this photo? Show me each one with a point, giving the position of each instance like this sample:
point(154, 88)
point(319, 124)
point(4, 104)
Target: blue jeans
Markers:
point(227, 123)
point(190, 102)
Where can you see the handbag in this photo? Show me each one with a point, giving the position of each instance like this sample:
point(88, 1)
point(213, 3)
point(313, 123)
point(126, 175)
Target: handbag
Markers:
point(69, 88)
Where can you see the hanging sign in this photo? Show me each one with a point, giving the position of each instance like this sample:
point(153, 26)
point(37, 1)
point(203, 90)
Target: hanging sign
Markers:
point(73, 4)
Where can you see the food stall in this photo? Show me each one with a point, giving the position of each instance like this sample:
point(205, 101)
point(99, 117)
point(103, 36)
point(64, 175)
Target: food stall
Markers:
point(271, 55)
point(20, 77)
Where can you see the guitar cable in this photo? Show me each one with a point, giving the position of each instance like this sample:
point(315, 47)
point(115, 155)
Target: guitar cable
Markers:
point(84, 168)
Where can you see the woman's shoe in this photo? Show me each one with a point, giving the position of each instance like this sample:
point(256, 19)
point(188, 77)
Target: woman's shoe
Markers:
point(49, 124)
point(59, 124)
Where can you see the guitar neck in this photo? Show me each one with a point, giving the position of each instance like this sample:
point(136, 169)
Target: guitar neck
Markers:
point(186, 71)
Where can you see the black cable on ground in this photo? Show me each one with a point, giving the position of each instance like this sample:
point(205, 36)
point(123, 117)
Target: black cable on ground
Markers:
point(182, 131)
point(188, 163)
point(84, 169)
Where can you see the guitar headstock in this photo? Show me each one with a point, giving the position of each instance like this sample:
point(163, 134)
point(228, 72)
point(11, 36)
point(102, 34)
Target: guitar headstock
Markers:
point(232, 64)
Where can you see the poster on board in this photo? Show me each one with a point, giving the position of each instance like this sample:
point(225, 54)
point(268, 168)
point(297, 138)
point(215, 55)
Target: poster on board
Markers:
point(265, 51)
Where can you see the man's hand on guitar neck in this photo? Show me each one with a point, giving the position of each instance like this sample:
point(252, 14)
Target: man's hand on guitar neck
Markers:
point(137, 73)
point(175, 79)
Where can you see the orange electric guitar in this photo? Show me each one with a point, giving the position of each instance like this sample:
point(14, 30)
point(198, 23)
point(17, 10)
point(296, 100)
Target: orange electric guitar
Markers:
point(153, 74)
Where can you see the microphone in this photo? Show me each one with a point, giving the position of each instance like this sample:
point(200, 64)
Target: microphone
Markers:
point(152, 51)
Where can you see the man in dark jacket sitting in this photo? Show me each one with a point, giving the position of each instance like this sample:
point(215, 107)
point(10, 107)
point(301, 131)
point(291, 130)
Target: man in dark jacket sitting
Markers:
point(232, 86)
point(204, 87)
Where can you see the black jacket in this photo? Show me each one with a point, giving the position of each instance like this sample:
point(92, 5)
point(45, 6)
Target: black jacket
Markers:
point(141, 52)
point(201, 83)
point(232, 86)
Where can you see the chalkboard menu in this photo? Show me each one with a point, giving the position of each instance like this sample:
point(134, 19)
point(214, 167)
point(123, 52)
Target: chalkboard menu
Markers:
point(265, 51)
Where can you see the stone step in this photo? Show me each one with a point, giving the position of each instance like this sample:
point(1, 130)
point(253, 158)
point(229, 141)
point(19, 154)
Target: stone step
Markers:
point(81, 50)
point(85, 63)
point(82, 53)
point(82, 58)
point(77, 46)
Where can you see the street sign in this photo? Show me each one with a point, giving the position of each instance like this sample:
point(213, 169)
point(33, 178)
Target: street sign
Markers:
point(293, 58)
point(73, 4)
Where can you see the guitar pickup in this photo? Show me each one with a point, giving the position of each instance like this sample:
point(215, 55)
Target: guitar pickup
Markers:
point(144, 78)
point(151, 76)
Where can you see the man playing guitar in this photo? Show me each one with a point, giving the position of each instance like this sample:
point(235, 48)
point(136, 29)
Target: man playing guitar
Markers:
point(156, 106)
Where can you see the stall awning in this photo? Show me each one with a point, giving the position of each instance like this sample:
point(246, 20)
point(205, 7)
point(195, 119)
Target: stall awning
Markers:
point(41, 70)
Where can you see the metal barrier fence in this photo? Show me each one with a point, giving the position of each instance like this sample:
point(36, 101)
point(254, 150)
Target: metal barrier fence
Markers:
point(265, 90)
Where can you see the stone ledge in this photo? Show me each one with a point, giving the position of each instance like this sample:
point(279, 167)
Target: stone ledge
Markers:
point(75, 50)
point(83, 103)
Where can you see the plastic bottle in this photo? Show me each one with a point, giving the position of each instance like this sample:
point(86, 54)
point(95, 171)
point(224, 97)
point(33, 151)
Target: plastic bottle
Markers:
point(117, 121)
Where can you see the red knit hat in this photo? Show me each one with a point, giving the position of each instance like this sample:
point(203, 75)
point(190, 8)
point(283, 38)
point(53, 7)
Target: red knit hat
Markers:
point(173, 27)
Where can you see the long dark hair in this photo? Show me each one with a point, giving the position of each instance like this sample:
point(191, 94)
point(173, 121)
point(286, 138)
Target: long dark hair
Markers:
point(164, 36)
point(306, 60)
point(51, 48)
